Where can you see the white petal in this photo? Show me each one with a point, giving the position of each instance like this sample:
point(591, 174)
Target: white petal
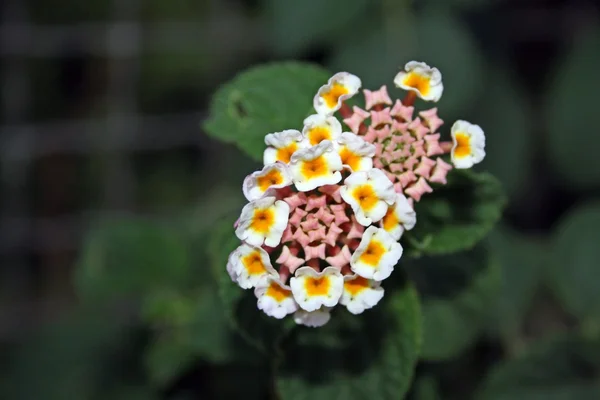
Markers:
point(312, 299)
point(385, 252)
point(263, 183)
point(273, 299)
point(270, 232)
point(250, 265)
point(348, 82)
point(313, 319)
point(321, 161)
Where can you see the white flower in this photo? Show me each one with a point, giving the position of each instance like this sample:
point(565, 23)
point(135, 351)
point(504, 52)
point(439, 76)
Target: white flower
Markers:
point(420, 78)
point(360, 294)
point(263, 221)
point(469, 144)
point(339, 87)
point(275, 298)
point(376, 255)
point(321, 127)
point(369, 193)
point(355, 152)
point(281, 146)
point(316, 166)
point(399, 217)
point(314, 289)
point(249, 265)
point(312, 319)
point(262, 183)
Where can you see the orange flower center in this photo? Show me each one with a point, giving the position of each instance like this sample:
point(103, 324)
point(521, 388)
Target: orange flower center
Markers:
point(366, 197)
point(271, 178)
point(285, 153)
point(463, 145)
point(263, 220)
point(418, 82)
point(253, 263)
point(318, 134)
point(315, 168)
point(332, 96)
point(317, 286)
point(350, 159)
point(373, 253)
point(277, 292)
point(390, 221)
point(355, 286)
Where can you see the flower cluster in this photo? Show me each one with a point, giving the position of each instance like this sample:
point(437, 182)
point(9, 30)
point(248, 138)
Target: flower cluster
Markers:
point(408, 147)
point(327, 210)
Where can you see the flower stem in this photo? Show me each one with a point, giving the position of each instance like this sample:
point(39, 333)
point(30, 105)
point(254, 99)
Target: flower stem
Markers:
point(409, 99)
point(446, 146)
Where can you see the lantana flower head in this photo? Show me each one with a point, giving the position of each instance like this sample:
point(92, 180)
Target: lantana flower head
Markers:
point(408, 144)
point(326, 212)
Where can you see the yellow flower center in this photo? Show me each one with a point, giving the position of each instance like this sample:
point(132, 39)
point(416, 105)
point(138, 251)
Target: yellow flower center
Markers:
point(271, 178)
point(390, 221)
point(277, 292)
point(318, 134)
point(366, 196)
point(463, 145)
point(350, 159)
point(373, 253)
point(418, 82)
point(355, 286)
point(263, 220)
point(315, 168)
point(285, 153)
point(317, 286)
point(332, 96)
point(253, 263)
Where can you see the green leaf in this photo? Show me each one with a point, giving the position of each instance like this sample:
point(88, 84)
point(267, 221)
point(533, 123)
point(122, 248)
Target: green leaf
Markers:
point(521, 259)
point(262, 100)
point(456, 216)
point(369, 356)
point(572, 113)
point(72, 358)
point(426, 388)
point(130, 257)
point(573, 272)
point(287, 22)
point(377, 53)
point(239, 305)
point(458, 291)
point(563, 368)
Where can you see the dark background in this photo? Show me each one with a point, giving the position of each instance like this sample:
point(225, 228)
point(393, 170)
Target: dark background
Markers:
point(102, 103)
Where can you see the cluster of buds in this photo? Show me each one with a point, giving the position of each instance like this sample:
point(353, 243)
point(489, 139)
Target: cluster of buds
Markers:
point(327, 210)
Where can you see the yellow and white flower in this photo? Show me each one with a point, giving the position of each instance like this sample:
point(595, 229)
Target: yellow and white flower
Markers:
point(281, 146)
point(314, 289)
point(340, 87)
point(274, 298)
point(261, 183)
point(360, 294)
point(321, 127)
point(468, 144)
point(376, 255)
point(312, 319)
point(316, 166)
point(356, 153)
point(422, 79)
point(399, 217)
point(369, 193)
point(250, 265)
point(263, 221)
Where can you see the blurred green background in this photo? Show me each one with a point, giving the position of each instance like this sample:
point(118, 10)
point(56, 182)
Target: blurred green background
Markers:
point(101, 142)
